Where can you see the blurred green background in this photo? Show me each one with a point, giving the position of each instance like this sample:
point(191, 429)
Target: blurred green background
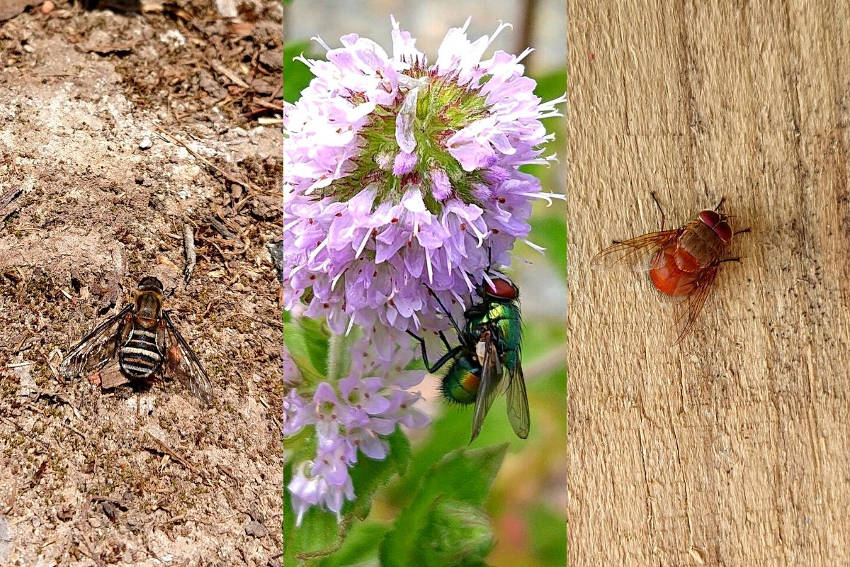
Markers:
point(527, 504)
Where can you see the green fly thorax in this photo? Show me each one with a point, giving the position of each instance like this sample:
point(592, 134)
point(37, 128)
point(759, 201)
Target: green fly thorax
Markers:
point(501, 318)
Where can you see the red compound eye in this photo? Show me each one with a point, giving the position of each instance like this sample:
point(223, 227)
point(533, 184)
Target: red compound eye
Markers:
point(502, 289)
point(717, 222)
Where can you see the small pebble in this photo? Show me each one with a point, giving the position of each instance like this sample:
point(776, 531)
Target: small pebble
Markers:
point(47, 7)
point(256, 529)
point(145, 143)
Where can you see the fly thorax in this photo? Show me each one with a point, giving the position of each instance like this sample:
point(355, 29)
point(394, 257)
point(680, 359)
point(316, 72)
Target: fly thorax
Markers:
point(148, 306)
point(702, 243)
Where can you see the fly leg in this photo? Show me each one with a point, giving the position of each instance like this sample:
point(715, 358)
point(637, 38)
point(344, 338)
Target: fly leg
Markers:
point(443, 359)
point(720, 204)
point(743, 230)
point(447, 313)
point(660, 210)
point(443, 338)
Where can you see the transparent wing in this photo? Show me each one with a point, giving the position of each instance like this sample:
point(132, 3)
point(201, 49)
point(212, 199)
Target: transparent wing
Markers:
point(96, 349)
point(518, 404)
point(182, 361)
point(689, 308)
point(491, 375)
point(631, 253)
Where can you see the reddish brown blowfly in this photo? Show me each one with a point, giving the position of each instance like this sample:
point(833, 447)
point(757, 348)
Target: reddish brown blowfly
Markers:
point(684, 261)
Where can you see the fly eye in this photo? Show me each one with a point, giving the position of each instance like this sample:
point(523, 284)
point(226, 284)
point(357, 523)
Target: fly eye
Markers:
point(502, 289)
point(710, 218)
point(723, 231)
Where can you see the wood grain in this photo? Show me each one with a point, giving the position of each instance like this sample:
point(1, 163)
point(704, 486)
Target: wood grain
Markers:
point(732, 448)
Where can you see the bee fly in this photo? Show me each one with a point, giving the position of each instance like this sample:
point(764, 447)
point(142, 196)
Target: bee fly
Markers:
point(145, 341)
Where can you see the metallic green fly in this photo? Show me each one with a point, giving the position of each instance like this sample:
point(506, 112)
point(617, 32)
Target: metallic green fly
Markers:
point(487, 356)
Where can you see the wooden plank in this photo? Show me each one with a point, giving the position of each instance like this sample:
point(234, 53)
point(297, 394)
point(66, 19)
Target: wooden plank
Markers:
point(732, 448)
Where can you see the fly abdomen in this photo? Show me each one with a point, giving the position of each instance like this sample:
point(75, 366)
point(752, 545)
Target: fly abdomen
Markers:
point(139, 356)
point(461, 382)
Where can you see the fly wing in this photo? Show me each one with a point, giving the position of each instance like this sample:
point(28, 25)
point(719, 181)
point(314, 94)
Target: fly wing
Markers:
point(491, 375)
point(689, 308)
point(182, 361)
point(631, 253)
point(518, 404)
point(96, 349)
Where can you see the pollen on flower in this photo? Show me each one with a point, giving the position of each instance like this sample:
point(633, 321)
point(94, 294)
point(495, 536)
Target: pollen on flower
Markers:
point(408, 170)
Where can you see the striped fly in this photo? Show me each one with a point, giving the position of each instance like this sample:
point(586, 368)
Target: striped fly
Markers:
point(145, 342)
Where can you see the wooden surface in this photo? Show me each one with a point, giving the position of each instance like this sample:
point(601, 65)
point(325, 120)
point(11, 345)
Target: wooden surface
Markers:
point(731, 448)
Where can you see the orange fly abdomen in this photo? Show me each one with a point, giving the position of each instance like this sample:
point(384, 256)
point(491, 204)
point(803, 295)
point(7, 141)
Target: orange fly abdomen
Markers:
point(674, 271)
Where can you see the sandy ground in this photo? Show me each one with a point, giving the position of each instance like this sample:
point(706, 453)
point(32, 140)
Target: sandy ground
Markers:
point(92, 198)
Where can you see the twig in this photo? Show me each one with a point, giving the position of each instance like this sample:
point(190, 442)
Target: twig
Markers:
point(551, 361)
point(189, 252)
point(174, 520)
point(220, 227)
point(7, 197)
point(526, 30)
point(219, 68)
point(278, 106)
point(162, 447)
point(206, 312)
point(223, 257)
point(230, 177)
point(84, 519)
point(75, 430)
point(26, 433)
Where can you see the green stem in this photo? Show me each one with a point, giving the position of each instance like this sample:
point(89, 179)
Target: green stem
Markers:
point(336, 348)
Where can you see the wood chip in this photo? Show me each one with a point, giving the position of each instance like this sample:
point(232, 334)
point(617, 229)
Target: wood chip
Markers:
point(220, 68)
point(109, 377)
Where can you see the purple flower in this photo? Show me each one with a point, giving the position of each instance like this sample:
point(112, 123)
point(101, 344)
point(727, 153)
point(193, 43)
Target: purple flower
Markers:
point(350, 417)
point(402, 177)
point(309, 487)
point(291, 373)
point(297, 413)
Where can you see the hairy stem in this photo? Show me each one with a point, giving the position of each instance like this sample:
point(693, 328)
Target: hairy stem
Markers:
point(336, 349)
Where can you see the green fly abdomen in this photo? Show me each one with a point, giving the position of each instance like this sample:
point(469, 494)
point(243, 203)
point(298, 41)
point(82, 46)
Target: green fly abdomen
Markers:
point(460, 384)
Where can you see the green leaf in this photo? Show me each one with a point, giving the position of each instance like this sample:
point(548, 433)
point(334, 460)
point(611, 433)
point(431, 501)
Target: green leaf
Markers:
point(307, 342)
point(318, 531)
point(462, 476)
point(320, 535)
point(296, 74)
point(361, 546)
point(369, 475)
